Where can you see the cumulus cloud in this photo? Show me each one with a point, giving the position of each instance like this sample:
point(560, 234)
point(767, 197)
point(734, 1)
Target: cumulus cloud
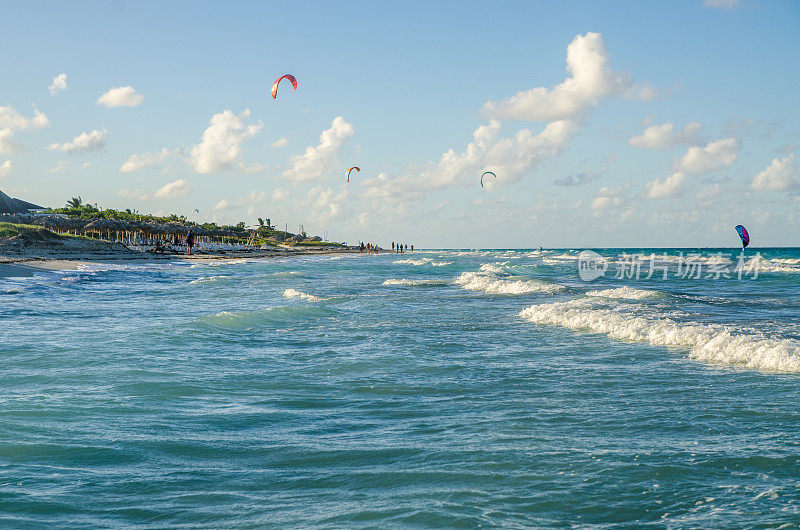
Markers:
point(121, 96)
point(59, 83)
point(146, 160)
point(608, 197)
point(590, 79)
point(253, 198)
point(11, 119)
point(220, 147)
point(59, 167)
point(171, 190)
point(7, 144)
point(325, 203)
point(5, 169)
point(281, 142)
point(508, 157)
point(174, 189)
point(313, 163)
point(279, 194)
point(714, 156)
point(664, 136)
point(84, 142)
point(782, 174)
point(671, 186)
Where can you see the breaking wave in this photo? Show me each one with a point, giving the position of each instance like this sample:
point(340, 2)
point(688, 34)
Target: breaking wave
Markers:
point(623, 292)
point(491, 284)
point(706, 342)
point(404, 281)
point(294, 293)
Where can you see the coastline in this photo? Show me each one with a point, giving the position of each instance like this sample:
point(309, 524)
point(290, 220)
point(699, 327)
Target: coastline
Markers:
point(28, 265)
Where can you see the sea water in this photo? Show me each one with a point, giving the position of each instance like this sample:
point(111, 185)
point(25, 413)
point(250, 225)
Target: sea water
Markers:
point(437, 388)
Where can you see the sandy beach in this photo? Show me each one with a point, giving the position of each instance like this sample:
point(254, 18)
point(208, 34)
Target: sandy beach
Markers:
point(27, 265)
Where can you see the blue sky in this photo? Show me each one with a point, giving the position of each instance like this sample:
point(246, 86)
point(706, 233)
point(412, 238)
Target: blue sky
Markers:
point(677, 121)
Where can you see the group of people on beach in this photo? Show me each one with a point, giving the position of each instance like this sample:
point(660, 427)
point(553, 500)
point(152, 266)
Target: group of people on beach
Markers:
point(399, 248)
point(369, 248)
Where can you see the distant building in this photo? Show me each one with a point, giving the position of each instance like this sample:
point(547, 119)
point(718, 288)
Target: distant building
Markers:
point(9, 205)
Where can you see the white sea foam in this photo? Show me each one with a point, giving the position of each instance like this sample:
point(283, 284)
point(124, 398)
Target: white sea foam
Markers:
point(492, 268)
point(293, 293)
point(491, 284)
point(404, 281)
point(623, 292)
point(208, 279)
point(286, 274)
point(423, 261)
point(706, 342)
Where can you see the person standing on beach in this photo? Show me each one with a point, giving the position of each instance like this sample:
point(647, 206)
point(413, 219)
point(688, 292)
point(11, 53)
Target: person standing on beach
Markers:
point(189, 242)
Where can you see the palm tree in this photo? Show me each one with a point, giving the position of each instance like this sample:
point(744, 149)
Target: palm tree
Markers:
point(75, 202)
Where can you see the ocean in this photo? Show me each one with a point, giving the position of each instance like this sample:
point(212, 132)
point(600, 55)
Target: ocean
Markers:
point(452, 388)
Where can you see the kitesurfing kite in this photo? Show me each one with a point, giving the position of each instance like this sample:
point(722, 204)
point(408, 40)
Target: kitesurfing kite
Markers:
point(742, 231)
point(291, 79)
point(487, 173)
point(358, 170)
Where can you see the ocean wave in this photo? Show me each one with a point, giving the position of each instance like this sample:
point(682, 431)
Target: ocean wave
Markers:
point(492, 268)
point(491, 284)
point(404, 281)
point(706, 342)
point(423, 261)
point(208, 279)
point(270, 318)
point(285, 274)
point(623, 292)
point(293, 293)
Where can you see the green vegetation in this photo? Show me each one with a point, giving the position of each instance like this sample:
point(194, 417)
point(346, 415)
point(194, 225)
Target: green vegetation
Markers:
point(35, 233)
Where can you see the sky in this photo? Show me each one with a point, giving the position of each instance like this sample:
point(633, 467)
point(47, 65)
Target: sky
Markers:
point(607, 124)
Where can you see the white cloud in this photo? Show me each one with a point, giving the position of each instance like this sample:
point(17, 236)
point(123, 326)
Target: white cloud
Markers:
point(59, 167)
point(253, 198)
point(7, 144)
point(220, 147)
point(171, 190)
point(782, 174)
point(145, 160)
point(280, 142)
point(5, 169)
point(722, 4)
point(122, 96)
point(714, 156)
point(11, 119)
point(86, 164)
point(671, 186)
point(59, 83)
point(325, 203)
point(279, 194)
point(663, 136)
point(313, 163)
point(608, 197)
point(508, 158)
point(91, 141)
point(174, 189)
point(591, 79)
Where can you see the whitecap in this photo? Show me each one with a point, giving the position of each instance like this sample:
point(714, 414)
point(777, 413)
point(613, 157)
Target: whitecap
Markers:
point(706, 342)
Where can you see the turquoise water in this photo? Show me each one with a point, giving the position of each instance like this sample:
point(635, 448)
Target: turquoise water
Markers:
point(442, 388)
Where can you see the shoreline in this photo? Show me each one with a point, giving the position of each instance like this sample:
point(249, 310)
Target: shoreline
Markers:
point(27, 266)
